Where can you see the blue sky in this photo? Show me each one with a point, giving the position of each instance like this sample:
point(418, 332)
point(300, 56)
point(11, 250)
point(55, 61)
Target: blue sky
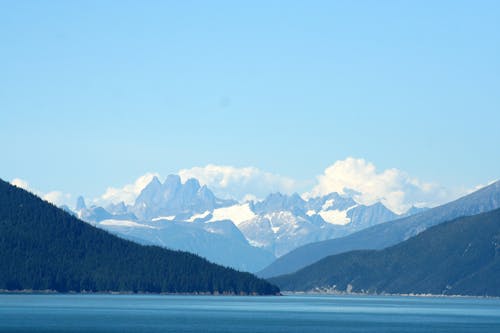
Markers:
point(97, 93)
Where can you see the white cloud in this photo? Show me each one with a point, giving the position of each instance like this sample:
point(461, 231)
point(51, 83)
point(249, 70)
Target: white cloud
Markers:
point(57, 198)
point(394, 188)
point(21, 183)
point(240, 183)
point(127, 193)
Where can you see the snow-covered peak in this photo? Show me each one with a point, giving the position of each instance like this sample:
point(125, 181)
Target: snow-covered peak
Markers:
point(236, 213)
point(275, 202)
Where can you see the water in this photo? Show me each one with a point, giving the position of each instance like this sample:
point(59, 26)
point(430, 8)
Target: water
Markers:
point(153, 313)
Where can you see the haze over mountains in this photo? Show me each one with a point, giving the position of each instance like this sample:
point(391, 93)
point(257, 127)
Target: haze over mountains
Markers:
point(188, 216)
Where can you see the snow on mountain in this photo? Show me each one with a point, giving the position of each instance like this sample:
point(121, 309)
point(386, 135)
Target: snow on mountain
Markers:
point(198, 216)
point(336, 216)
point(284, 222)
point(124, 223)
point(236, 213)
point(281, 231)
point(163, 218)
point(190, 217)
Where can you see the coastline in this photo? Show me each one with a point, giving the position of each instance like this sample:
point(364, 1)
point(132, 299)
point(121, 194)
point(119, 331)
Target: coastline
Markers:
point(55, 292)
point(282, 293)
point(337, 293)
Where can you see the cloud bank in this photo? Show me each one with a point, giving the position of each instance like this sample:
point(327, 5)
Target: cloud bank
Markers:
point(21, 183)
point(394, 188)
point(352, 176)
point(127, 193)
point(57, 198)
point(242, 184)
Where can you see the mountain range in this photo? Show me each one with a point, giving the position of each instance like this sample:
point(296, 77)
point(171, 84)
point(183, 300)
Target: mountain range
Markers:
point(420, 252)
point(188, 216)
point(459, 257)
point(386, 234)
point(44, 248)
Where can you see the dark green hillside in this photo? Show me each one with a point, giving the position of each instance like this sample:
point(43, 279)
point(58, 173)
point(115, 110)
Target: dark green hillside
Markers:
point(460, 257)
point(44, 248)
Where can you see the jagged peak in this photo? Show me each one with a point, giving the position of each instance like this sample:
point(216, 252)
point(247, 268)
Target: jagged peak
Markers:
point(155, 181)
point(80, 203)
point(172, 180)
point(192, 183)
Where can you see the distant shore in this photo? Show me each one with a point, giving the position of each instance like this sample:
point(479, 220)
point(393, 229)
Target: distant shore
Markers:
point(283, 293)
point(338, 293)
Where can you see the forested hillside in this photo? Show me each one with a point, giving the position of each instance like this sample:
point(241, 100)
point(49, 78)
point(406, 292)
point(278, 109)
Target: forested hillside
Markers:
point(460, 257)
point(44, 248)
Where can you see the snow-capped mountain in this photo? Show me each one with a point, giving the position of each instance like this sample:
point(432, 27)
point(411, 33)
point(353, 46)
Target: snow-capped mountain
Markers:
point(247, 236)
point(283, 222)
point(172, 198)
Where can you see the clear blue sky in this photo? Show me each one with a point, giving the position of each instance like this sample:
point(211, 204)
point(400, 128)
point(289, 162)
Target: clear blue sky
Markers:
point(96, 93)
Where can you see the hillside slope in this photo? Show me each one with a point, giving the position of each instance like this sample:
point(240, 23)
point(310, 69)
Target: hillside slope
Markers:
point(44, 248)
point(460, 257)
point(386, 234)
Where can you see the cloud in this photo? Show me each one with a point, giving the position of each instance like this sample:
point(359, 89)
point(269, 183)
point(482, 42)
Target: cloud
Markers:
point(353, 176)
point(394, 188)
point(127, 193)
point(21, 183)
point(57, 198)
point(240, 183)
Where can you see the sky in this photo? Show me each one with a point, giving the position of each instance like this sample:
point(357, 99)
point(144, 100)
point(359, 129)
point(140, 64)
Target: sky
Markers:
point(96, 94)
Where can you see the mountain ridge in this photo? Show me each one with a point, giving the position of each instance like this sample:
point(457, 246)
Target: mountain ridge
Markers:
point(457, 257)
point(387, 234)
point(271, 227)
point(44, 248)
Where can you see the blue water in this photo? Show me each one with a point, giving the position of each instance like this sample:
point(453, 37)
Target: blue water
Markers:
point(148, 313)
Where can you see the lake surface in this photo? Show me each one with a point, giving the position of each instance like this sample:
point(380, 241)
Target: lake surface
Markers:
point(154, 313)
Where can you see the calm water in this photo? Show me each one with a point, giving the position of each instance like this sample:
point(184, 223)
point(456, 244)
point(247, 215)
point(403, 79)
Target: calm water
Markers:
point(145, 313)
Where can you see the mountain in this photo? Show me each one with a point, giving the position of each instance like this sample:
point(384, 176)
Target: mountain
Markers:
point(386, 234)
point(44, 248)
point(460, 257)
point(220, 242)
point(95, 214)
point(414, 210)
point(175, 198)
point(189, 217)
point(174, 207)
point(80, 203)
point(276, 202)
point(282, 223)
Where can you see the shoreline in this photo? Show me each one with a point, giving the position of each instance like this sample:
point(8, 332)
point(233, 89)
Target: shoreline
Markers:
point(283, 293)
point(326, 293)
point(55, 292)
